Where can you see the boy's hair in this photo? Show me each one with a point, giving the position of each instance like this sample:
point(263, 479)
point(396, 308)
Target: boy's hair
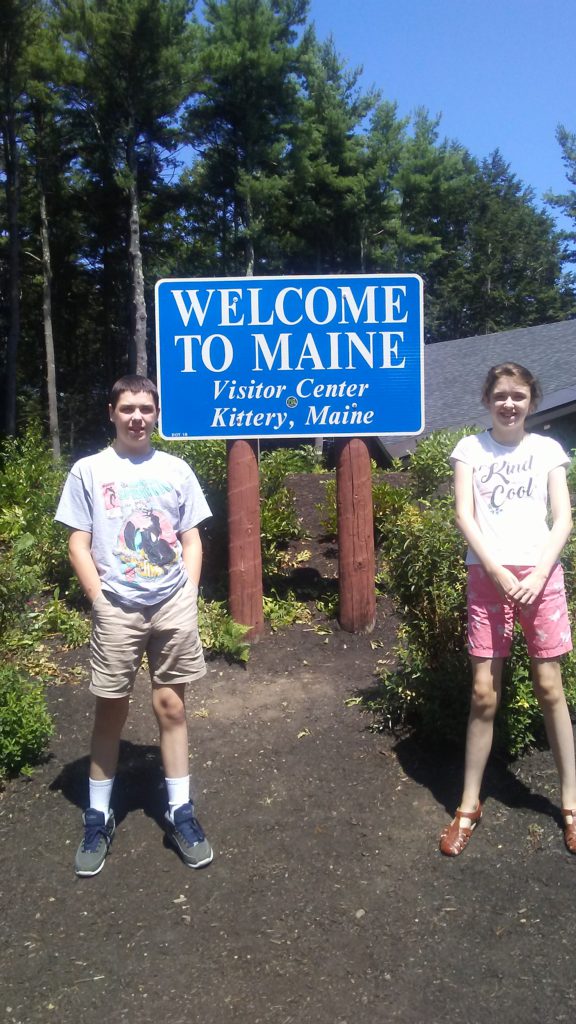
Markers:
point(133, 383)
point(511, 370)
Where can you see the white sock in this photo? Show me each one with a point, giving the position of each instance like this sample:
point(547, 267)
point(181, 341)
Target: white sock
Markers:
point(100, 793)
point(178, 793)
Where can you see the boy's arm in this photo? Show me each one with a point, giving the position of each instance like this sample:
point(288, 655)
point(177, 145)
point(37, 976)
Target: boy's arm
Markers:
point(79, 544)
point(192, 553)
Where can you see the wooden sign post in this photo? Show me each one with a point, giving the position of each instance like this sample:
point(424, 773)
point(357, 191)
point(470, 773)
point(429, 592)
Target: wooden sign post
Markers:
point(356, 559)
point(245, 596)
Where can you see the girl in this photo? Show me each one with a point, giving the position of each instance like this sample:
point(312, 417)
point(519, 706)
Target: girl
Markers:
point(503, 480)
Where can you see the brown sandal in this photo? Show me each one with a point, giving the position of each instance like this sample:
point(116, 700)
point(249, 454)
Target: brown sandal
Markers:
point(455, 838)
point(570, 830)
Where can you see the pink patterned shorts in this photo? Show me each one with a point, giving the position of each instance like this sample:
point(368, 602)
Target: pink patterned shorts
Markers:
point(491, 617)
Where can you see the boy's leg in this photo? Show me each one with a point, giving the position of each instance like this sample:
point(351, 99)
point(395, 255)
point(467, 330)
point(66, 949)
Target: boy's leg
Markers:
point(170, 710)
point(175, 658)
point(117, 644)
point(182, 827)
point(109, 719)
point(99, 825)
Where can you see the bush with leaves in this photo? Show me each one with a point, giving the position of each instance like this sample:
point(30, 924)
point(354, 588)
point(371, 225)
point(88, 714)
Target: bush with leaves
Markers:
point(430, 468)
point(30, 486)
point(219, 633)
point(422, 556)
point(278, 463)
point(25, 724)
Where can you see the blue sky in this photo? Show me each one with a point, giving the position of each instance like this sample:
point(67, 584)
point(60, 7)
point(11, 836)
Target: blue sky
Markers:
point(502, 73)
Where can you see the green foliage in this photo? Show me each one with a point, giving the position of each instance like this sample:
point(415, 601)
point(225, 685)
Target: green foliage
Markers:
point(327, 510)
point(277, 464)
point(58, 617)
point(282, 612)
point(519, 724)
point(19, 580)
point(25, 724)
point(328, 605)
point(219, 633)
point(428, 689)
point(279, 523)
point(430, 467)
point(387, 503)
point(30, 486)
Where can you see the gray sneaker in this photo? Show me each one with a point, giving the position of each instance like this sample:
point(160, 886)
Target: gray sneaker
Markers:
point(187, 835)
point(98, 833)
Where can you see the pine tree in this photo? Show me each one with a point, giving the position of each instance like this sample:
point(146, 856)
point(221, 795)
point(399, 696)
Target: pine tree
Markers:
point(567, 201)
point(242, 124)
point(133, 78)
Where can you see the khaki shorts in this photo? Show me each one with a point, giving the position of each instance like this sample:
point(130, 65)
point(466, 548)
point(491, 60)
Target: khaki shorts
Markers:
point(167, 632)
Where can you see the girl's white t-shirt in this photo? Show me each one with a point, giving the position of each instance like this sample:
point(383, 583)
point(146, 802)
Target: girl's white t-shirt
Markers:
point(510, 485)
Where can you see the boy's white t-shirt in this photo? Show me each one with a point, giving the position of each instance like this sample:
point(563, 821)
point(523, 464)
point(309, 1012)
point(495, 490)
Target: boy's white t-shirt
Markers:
point(510, 485)
point(134, 508)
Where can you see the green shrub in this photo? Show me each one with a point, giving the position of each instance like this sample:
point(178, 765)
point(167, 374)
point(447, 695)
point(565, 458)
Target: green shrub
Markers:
point(277, 464)
point(25, 725)
point(387, 502)
point(279, 523)
point(281, 612)
point(430, 466)
point(56, 616)
point(219, 633)
point(279, 520)
point(19, 580)
point(30, 487)
point(422, 558)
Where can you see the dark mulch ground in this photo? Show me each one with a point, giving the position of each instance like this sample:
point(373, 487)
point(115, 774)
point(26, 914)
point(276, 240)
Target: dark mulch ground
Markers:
point(327, 901)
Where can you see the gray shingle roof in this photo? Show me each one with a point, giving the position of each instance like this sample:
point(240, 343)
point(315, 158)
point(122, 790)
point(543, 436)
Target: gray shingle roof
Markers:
point(454, 372)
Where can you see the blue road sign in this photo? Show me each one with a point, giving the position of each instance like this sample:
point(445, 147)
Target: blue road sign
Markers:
point(290, 356)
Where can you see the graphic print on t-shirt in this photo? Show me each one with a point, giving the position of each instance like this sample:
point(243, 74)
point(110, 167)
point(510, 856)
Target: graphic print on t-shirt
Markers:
point(146, 545)
point(501, 481)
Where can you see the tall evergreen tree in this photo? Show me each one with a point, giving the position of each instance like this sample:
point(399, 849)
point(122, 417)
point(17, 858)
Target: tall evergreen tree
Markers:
point(133, 79)
point(328, 193)
point(242, 123)
point(515, 257)
point(567, 201)
point(19, 21)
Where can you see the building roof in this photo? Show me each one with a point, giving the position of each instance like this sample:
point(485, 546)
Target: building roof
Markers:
point(454, 372)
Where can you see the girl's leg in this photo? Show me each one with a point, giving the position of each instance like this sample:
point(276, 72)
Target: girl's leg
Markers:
point(486, 692)
point(547, 678)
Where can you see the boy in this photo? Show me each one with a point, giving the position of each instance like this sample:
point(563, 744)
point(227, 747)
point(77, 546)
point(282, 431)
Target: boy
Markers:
point(133, 514)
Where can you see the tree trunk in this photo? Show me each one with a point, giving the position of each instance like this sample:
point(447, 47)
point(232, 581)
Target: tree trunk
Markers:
point(48, 333)
point(248, 240)
point(137, 356)
point(12, 187)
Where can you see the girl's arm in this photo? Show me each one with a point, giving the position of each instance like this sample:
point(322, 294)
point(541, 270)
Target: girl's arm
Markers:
point(529, 588)
point(192, 553)
point(504, 580)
